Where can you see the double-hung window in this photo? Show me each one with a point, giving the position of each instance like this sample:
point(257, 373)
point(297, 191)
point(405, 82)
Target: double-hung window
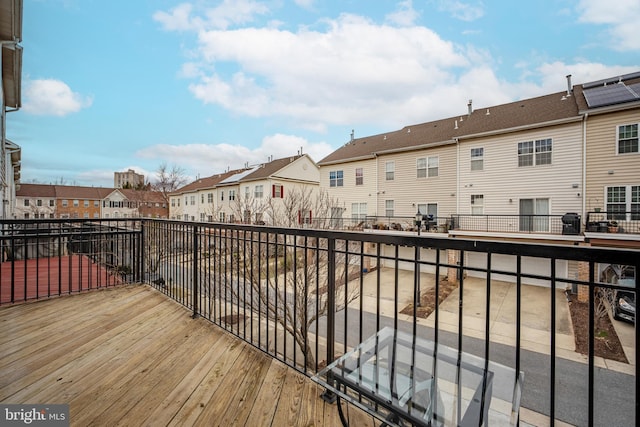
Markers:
point(477, 159)
point(258, 192)
point(232, 194)
point(535, 153)
point(277, 191)
point(427, 167)
point(628, 139)
point(433, 164)
point(209, 197)
point(623, 202)
point(336, 178)
point(359, 176)
point(390, 170)
point(477, 204)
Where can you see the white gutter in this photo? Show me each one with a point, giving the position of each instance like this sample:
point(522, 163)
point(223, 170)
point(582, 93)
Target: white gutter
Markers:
point(524, 127)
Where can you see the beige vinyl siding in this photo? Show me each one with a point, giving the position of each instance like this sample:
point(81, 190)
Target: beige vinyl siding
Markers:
point(350, 192)
point(602, 157)
point(407, 190)
point(302, 169)
point(503, 183)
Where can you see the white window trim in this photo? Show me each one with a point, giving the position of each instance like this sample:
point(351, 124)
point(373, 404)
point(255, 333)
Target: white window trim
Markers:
point(618, 153)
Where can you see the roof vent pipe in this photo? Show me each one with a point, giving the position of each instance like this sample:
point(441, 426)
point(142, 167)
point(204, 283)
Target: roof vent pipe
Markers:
point(569, 86)
point(469, 106)
point(352, 135)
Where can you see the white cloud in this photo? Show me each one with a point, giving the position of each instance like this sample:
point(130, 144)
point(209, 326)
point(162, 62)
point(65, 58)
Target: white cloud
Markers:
point(49, 97)
point(349, 72)
point(207, 159)
point(227, 13)
point(621, 17)
point(405, 16)
point(462, 10)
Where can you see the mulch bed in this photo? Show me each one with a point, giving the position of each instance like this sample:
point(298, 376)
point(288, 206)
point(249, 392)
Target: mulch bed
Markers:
point(428, 299)
point(606, 342)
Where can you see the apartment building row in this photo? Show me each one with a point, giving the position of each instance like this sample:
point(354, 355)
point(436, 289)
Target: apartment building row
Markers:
point(278, 192)
point(574, 151)
point(40, 201)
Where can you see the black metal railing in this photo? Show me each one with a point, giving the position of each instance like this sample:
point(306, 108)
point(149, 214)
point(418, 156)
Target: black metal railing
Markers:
point(45, 258)
point(305, 296)
point(613, 222)
point(528, 224)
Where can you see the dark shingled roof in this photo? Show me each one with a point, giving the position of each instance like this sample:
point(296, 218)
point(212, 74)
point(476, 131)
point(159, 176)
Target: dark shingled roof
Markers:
point(208, 182)
point(36, 190)
point(63, 191)
point(268, 169)
point(499, 118)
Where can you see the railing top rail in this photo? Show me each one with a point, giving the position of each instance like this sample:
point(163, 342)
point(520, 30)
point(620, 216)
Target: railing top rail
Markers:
point(566, 252)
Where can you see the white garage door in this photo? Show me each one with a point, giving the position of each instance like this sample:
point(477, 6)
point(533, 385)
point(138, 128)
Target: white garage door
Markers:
point(530, 265)
point(408, 253)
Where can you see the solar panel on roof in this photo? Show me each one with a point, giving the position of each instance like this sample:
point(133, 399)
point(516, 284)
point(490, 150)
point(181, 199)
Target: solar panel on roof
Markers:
point(611, 80)
point(608, 95)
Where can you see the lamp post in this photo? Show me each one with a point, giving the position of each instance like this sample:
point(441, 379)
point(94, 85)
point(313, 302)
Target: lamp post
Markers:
point(418, 221)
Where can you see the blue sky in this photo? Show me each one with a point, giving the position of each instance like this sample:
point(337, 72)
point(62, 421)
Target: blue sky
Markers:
point(210, 85)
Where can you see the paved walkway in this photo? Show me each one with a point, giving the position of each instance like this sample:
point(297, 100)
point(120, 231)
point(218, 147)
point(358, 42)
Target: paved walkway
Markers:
point(535, 311)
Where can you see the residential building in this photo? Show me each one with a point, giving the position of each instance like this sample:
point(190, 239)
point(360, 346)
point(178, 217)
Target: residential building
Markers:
point(281, 191)
point(197, 201)
point(611, 111)
point(10, 90)
point(517, 171)
point(127, 203)
point(80, 202)
point(128, 179)
point(36, 201)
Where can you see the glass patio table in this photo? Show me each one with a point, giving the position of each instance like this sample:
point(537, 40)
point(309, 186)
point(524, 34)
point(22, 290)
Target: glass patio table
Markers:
point(406, 380)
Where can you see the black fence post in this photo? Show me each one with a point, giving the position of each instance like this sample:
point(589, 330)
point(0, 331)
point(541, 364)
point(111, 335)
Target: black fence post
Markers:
point(194, 261)
point(329, 396)
point(141, 240)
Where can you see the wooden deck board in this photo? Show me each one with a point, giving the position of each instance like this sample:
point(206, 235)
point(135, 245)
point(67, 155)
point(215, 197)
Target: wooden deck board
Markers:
point(131, 356)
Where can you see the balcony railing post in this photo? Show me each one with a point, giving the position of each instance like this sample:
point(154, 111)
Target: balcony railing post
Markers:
point(328, 395)
point(141, 240)
point(194, 261)
point(331, 299)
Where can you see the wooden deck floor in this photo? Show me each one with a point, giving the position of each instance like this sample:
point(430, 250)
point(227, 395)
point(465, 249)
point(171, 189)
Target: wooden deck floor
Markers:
point(130, 356)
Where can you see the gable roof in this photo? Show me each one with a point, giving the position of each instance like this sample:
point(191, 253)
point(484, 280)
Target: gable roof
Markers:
point(36, 190)
point(63, 191)
point(269, 169)
point(556, 107)
point(205, 183)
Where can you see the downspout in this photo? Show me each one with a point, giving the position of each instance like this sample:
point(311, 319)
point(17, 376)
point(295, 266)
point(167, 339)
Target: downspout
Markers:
point(584, 164)
point(457, 175)
point(377, 186)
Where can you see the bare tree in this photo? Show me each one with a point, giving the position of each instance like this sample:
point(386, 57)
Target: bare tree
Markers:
point(169, 179)
point(283, 278)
